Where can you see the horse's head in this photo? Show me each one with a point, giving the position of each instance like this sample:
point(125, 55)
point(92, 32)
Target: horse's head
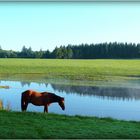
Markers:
point(61, 103)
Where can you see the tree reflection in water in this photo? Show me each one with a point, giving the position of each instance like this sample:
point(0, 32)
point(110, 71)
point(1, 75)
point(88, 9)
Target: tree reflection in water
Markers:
point(104, 92)
point(123, 93)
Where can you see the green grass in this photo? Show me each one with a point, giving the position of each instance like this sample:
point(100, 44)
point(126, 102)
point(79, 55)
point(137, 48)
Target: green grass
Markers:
point(40, 125)
point(70, 69)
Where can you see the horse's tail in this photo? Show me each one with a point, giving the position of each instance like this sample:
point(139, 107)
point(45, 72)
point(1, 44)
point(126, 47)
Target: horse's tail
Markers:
point(23, 101)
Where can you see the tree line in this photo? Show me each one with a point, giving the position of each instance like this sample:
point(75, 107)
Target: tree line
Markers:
point(83, 51)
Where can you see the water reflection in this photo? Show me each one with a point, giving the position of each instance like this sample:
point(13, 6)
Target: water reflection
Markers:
point(23, 84)
point(105, 92)
point(103, 101)
point(128, 93)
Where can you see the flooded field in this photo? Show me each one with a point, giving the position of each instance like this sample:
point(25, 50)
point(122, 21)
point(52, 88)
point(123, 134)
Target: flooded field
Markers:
point(120, 102)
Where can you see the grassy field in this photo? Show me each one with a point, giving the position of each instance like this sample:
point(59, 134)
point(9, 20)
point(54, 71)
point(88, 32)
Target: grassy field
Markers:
point(40, 125)
point(70, 69)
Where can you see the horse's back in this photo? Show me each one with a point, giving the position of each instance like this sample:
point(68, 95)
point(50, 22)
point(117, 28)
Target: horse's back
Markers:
point(31, 92)
point(34, 97)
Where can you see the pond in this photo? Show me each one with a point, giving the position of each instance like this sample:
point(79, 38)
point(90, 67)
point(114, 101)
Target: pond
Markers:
point(120, 102)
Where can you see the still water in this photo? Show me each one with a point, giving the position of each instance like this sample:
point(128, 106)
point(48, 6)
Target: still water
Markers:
point(116, 102)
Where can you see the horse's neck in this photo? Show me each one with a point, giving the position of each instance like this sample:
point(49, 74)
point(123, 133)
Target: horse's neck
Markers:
point(53, 98)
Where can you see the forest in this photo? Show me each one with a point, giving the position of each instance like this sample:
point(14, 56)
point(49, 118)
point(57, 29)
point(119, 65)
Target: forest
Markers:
point(83, 51)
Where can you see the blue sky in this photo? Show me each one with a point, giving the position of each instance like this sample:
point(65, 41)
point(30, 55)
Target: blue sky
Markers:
point(47, 25)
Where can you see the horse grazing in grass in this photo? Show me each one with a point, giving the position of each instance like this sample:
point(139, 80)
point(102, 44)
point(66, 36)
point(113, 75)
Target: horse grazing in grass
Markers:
point(40, 99)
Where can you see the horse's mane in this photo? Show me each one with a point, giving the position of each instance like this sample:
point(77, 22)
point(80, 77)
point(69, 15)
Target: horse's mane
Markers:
point(52, 94)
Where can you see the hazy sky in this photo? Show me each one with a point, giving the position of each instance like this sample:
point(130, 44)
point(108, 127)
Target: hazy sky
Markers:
point(47, 25)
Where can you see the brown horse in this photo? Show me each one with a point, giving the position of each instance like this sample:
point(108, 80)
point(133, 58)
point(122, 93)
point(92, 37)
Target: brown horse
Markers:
point(40, 99)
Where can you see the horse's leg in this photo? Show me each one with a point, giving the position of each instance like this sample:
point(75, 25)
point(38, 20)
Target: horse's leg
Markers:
point(46, 108)
point(24, 106)
point(24, 102)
